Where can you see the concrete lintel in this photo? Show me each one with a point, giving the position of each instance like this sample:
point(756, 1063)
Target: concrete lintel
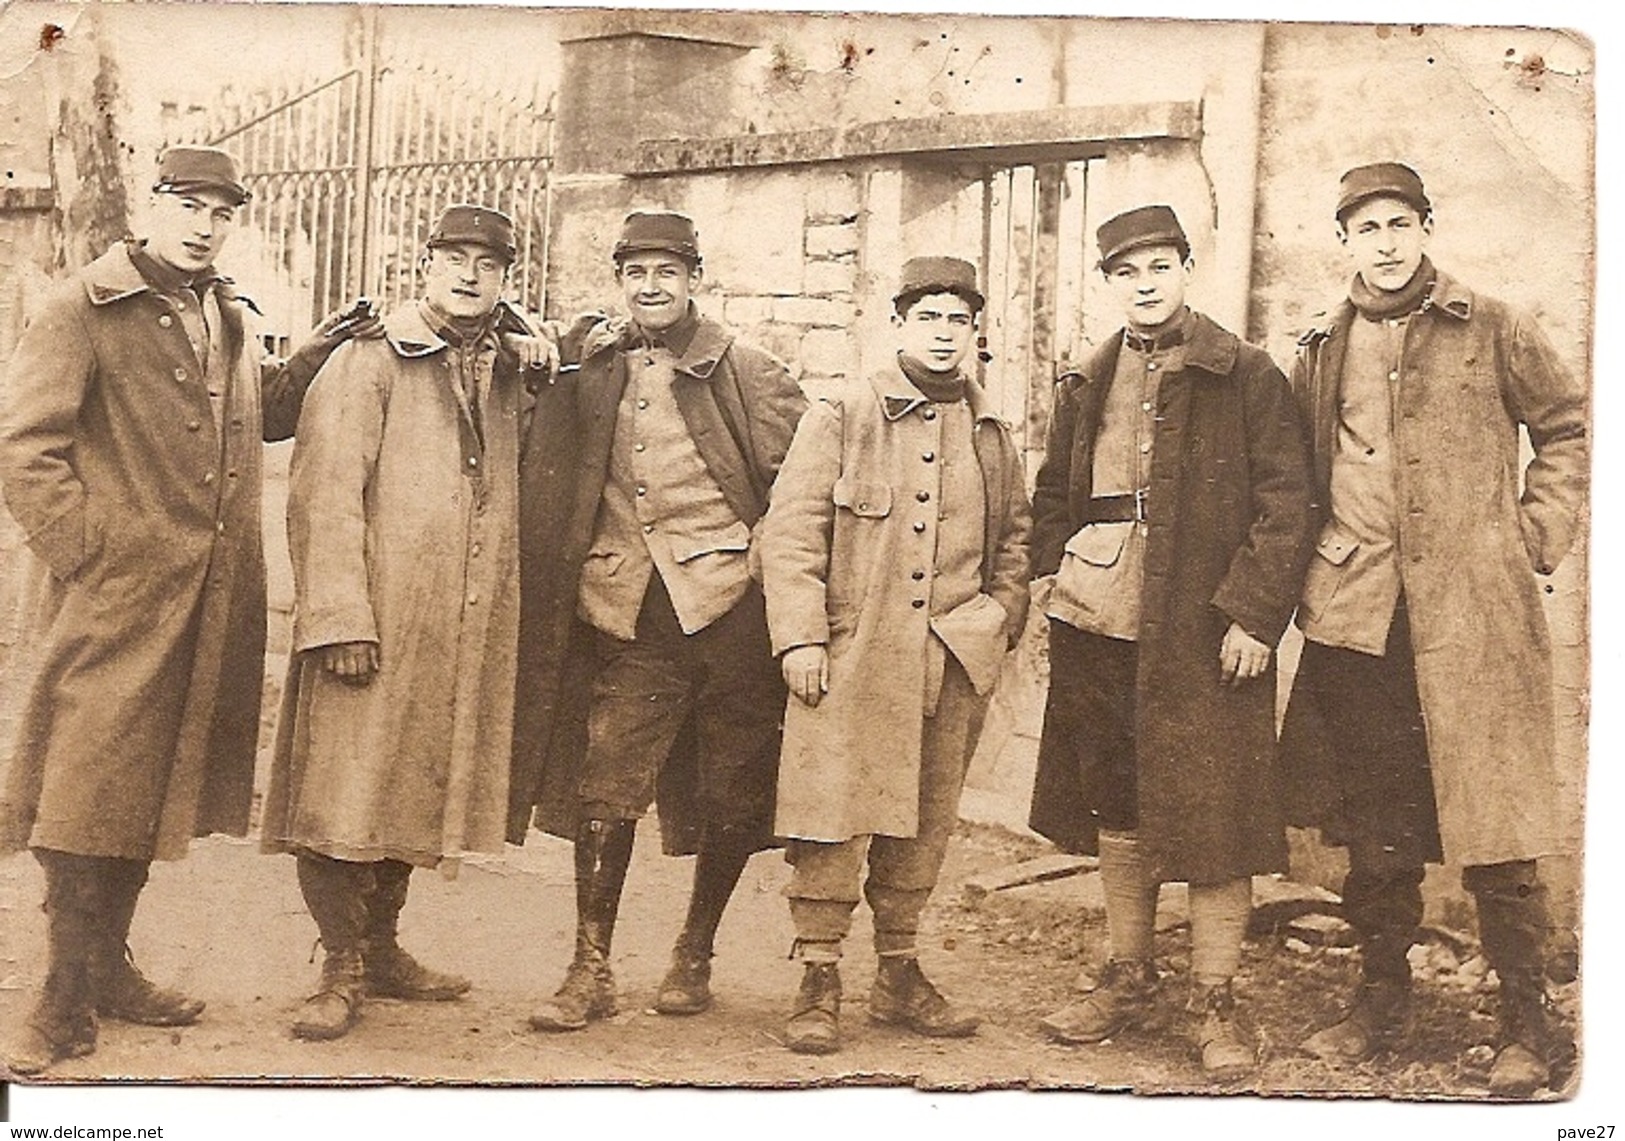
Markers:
point(700, 27)
point(1055, 134)
point(23, 199)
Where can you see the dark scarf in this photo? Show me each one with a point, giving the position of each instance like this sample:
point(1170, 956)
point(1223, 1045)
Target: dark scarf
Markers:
point(1379, 304)
point(939, 388)
point(164, 277)
point(459, 332)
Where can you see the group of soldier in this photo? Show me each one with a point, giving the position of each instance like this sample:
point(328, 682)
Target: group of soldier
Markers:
point(554, 575)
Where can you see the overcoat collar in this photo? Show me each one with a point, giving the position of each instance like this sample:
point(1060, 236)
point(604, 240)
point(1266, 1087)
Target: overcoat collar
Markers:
point(1449, 297)
point(898, 397)
point(1209, 347)
point(113, 277)
point(699, 360)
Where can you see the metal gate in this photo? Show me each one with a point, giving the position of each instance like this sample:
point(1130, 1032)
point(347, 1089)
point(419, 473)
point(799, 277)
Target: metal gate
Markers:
point(348, 176)
point(1037, 237)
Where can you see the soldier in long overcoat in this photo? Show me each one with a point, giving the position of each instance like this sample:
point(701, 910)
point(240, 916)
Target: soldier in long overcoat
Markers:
point(666, 688)
point(395, 739)
point(1420, 724)
point(131, 431)
point(894, 558)
point(1172, 511)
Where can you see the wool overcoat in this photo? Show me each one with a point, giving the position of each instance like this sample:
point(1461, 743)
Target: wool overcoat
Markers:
point(403, 523)
point(843, 567)
point(1472, 545)
point(139, 729)
point(1228, 535)
point(741, 407)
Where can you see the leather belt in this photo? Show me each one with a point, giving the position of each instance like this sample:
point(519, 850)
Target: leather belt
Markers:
point(1126, 508)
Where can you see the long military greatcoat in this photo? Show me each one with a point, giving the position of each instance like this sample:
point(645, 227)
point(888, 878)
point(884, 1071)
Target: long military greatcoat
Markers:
point(842, 568)
point(139, 729)
point(1470, 544)
point(1228, 537)
point(403, 522)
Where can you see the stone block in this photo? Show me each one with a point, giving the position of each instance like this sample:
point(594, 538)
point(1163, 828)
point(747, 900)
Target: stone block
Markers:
point(826, 278)
point(743, 312)
point(830, 240)
point(835, 196)
point(828, 352)
point(815, 311)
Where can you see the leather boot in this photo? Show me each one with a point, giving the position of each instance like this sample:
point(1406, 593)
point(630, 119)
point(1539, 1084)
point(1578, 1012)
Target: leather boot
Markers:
point(123, 993)
point(686, 988)
point(1374, 1022)
point(815, 1019)
point(391, 972)
point(1228, 1052)
point(903, 996)
point(603, 849)
point(335, 892)
point(63, 1022)
point(1121, 1001)
point(1534, 1049)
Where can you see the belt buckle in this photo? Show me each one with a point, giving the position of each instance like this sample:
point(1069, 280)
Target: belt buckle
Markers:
point(1139, 504)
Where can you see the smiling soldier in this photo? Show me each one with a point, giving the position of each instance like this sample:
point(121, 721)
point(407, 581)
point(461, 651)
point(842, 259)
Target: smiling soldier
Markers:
point(393, 748)
point(1420, 724)
point(894, 559)
point(682, 429)
point(1172, 511)
point(130, 439)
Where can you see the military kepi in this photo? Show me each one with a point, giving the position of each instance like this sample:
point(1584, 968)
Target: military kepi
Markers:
point(1135, 229)
point(475, 225)
point(659, 231)
point(927, 275)
point(1381, 180)
point(199, 168)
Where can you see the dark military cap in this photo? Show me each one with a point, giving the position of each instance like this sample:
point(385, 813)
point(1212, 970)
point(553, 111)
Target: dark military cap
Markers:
point(663, 230)
point(1381, 180)
point(1135, 229)
point(927, 275)
point(199, 168)
point(475, 225)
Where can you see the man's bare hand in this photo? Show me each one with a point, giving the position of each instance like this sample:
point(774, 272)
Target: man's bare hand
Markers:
point(532, 352)
point(355, 663)
point(806, 672)
point(1242, 657)
point(360, 319)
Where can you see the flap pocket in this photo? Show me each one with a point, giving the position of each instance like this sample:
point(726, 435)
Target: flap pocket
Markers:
point(868, 500)
point(1336, 544)
point(735, 537)
point(1099, 544)
point(602, 562)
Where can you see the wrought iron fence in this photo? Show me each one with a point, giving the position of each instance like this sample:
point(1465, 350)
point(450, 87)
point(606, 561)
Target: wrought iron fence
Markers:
point(348, 175)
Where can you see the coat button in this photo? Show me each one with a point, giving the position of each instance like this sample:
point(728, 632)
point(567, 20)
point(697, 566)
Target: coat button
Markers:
point(637, 447)
point(165, 321)
point(473, 461)
point(473, 600)
point(474, 550)
point(923, 496)
point(180, 374)
point(928, 456)
point(219, 528)
point(919, 528)
point(918, 576)
point(1145, 446)
point(929, 414)
point(208, 477)
point(918, 603)
point(193, 426)
point(648, 528)
point(1150, 366)
point(1394, 375)
point(643, 403)
point(642, 490)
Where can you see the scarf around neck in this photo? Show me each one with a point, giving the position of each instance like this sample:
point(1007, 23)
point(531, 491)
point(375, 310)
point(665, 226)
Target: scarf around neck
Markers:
point(1379, 304)
point(939, 388)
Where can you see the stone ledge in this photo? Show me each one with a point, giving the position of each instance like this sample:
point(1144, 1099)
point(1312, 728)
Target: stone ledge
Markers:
point(1056, 134)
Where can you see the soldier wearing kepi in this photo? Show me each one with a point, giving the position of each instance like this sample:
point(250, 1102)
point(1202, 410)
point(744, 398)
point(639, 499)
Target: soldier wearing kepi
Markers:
point(393, 748)
point(682, 430)
point(130, 437)
point(1420, 723)
point(1172, 511)
point(894, 558)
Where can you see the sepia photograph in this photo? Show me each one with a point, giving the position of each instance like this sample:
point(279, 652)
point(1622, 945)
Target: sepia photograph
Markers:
point(780, 550)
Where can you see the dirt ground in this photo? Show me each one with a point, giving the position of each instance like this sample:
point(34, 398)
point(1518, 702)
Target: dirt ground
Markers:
point(228, 926)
